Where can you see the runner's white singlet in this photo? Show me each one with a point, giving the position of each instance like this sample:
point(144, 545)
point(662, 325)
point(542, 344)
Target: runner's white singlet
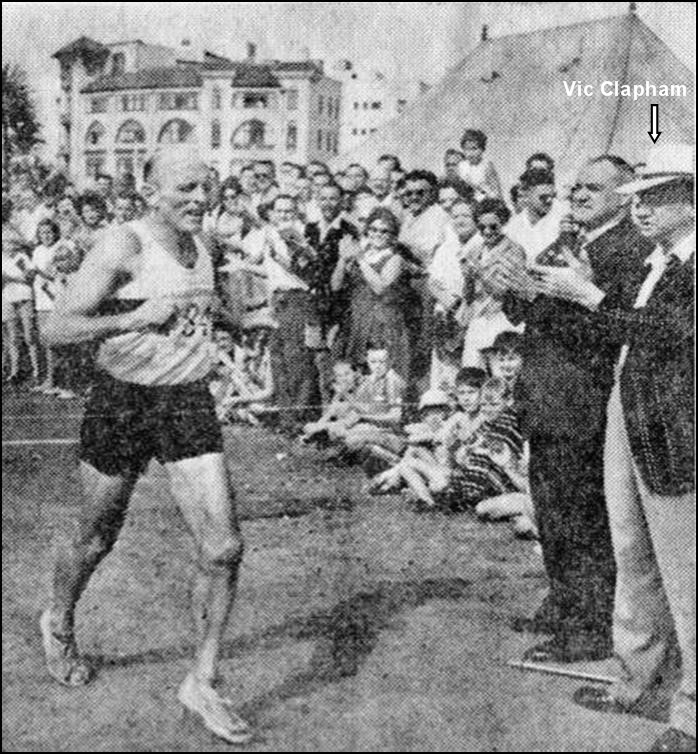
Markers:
point(181, 351)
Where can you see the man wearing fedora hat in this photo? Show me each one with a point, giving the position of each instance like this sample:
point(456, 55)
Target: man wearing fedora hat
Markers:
point(649, 479)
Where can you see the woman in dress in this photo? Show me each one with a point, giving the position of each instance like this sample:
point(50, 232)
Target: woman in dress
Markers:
point(372, 272)
point(47, 258)
point(482, 314)
point(17, 298)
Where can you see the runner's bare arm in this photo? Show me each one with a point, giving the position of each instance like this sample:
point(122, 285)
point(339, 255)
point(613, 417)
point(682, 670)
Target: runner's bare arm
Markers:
point(76, 319)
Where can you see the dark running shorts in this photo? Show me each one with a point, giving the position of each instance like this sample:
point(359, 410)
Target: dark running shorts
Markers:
point(126, 425)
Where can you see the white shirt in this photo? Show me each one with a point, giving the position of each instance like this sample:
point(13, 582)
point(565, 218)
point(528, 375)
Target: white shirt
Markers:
point(178, 353)
point(48, 284)
point(430, 236)
point(266, 247)
point(476, 176)
point(28, 221)
point(535, 237)
point(657, 262)
point(16, 267)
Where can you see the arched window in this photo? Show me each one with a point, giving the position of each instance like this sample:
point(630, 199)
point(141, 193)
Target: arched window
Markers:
point(118, 63)
point(176, 131)
point(131, 132)
point(249, 135)
point(291, 137)
point(215, 134)
point(95, 135)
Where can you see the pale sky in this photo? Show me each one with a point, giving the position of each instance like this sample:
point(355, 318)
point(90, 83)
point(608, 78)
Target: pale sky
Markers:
point(408, 40)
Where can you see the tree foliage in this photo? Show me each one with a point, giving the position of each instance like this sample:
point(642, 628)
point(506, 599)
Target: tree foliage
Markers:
point(20, 126)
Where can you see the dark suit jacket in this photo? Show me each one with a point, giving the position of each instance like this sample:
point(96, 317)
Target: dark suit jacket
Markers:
point(567, 372)
point(657, 381)
point(329, 306)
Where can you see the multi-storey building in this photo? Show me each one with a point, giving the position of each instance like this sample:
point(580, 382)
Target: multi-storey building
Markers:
point(119, 101)
point(370, 99)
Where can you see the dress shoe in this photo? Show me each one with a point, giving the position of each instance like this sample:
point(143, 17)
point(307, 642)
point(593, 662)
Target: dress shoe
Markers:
point(674, 740)
point(556, 650)
point(600, 699)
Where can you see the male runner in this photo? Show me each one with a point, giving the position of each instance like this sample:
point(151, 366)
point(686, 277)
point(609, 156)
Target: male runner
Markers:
point(145, 293)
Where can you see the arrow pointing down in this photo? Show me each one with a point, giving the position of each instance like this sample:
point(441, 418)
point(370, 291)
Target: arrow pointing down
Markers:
point(655, 133)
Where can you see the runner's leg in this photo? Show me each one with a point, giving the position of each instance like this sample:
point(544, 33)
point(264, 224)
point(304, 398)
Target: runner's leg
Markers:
point(201, 488)
point(97, 528)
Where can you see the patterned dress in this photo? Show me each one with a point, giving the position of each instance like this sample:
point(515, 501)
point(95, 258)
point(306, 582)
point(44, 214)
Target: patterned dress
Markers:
point(377, 318)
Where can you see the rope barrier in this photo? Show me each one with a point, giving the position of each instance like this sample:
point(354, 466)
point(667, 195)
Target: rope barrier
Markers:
point(40, 441)
point(7, 418)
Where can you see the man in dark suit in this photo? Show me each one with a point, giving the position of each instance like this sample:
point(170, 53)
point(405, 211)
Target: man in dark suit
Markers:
point(649, 457)
point(565, 384)
point(326, 307)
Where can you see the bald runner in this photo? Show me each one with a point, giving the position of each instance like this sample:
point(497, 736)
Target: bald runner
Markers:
point(145, 295)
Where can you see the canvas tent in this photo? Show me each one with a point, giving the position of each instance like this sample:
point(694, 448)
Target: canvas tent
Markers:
point(511, 87)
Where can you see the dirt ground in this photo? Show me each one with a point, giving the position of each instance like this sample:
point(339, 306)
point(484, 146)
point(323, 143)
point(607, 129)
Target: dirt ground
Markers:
point(359, 626)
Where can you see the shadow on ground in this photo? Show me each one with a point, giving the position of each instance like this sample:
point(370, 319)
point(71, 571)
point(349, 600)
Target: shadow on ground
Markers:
point(345, 637)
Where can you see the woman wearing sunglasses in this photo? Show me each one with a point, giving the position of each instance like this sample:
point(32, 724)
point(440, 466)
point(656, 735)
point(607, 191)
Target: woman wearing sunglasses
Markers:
point(484, 317)
point(372, 272)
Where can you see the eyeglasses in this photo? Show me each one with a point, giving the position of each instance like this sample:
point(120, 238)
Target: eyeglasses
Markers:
point(266, 176)
point(489, 226)
point(415, 193)
point(381, 231)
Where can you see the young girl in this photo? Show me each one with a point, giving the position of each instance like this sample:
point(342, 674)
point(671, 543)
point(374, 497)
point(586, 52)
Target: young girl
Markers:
point(17, 298)
point(476, 169)
point(47, 284)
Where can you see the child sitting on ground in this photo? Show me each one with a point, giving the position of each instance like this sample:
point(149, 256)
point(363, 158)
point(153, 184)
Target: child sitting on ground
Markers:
point(374, 427)
point(341, 412)
point(489, 463)
point(241, 379)
point(427, 470)
point(466, 419)
point(419, 468)
point(504, 360)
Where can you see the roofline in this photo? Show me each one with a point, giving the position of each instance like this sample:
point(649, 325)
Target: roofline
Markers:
point(136, 89)
point(129, 42)
point(603, 19)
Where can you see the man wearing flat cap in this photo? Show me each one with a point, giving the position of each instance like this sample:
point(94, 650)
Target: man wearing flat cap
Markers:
point(649, 463)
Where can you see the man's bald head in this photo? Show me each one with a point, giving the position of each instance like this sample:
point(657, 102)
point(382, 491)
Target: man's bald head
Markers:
point(175, 158)
point(594, 200)
point(176, 186)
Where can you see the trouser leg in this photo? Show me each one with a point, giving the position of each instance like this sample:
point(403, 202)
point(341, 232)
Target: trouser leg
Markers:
point(672, 525)
point(642, 628)
point(567, 492)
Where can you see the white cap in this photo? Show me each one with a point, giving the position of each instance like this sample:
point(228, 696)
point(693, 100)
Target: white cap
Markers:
point(433, 398)
point(665, 163)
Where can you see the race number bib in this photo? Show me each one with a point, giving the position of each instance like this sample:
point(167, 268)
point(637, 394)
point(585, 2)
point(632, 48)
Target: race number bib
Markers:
point(194, 320)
